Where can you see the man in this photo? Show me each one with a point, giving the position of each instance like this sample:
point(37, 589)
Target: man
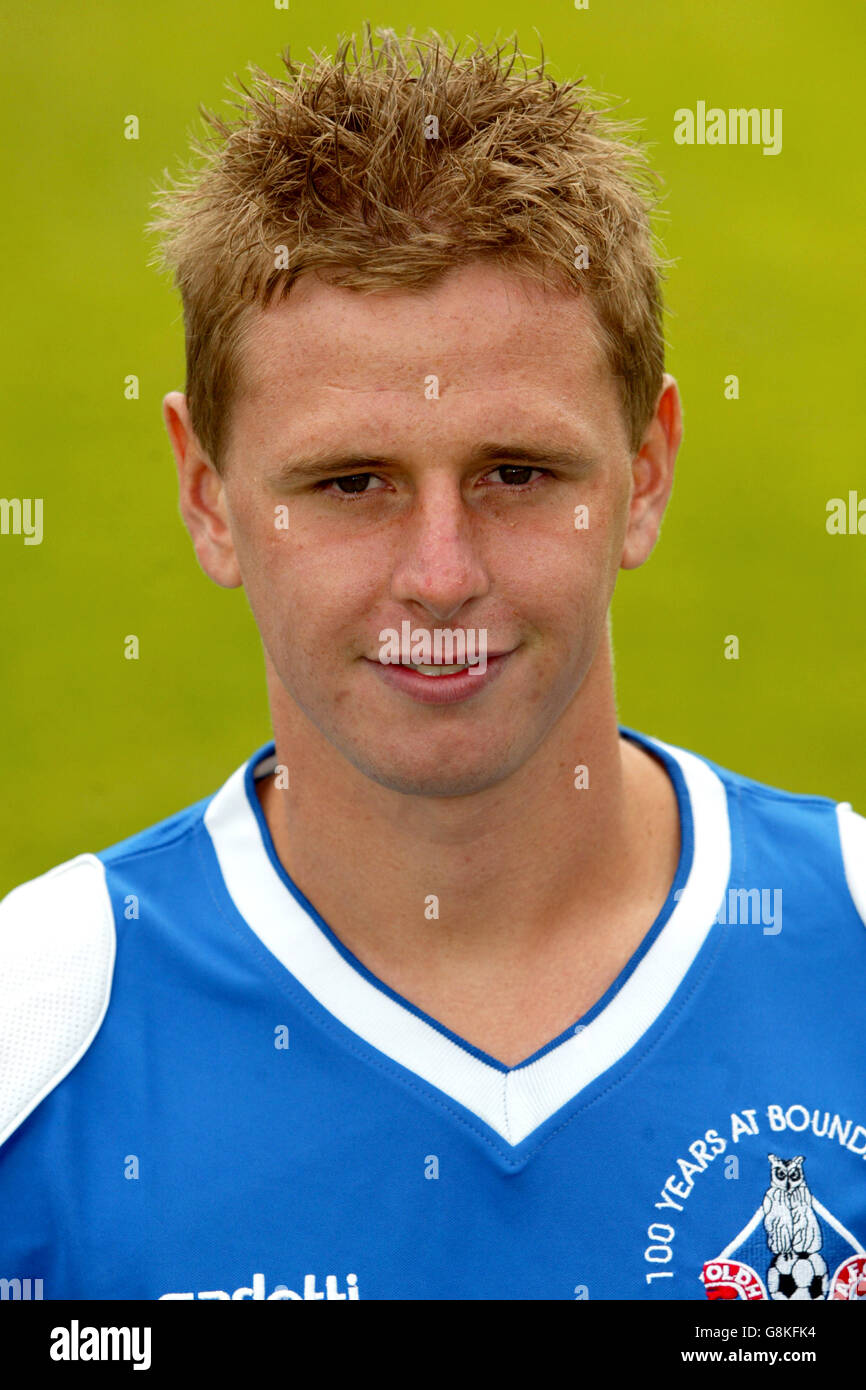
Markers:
point(456, 989)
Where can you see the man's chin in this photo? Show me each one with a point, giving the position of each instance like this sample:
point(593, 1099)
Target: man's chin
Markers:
point(439, 778)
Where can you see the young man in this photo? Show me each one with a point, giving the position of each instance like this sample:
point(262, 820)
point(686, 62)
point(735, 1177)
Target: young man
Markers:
point(456, 989)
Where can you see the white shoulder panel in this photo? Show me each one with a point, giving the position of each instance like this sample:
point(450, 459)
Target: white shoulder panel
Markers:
point(57, 946)
point(852, 833)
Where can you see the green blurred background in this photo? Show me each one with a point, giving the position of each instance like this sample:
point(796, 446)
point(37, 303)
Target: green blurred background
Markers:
point(768, 284)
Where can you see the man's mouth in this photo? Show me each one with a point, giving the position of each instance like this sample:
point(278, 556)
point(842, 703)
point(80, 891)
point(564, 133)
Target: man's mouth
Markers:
point(441, 683)
point(436, 670)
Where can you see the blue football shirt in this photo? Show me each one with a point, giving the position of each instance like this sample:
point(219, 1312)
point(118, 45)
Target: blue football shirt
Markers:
point(205, 1095)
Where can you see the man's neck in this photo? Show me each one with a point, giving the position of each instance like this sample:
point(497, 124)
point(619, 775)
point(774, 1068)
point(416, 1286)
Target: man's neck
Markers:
point(504, 915)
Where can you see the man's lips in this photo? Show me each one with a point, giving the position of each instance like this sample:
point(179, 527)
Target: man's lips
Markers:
point(441, 690)
point(491, 656)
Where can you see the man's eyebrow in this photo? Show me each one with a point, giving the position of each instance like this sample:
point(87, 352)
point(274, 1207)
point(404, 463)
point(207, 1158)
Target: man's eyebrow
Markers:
point(340, 464)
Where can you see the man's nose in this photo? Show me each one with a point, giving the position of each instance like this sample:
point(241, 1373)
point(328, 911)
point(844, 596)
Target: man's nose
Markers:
point(439, 564)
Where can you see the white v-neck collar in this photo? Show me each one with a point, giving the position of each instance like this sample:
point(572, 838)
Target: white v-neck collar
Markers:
point(512, 1102)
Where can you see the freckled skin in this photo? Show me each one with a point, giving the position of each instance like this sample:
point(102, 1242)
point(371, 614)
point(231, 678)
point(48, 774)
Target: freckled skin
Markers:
point(346, 571)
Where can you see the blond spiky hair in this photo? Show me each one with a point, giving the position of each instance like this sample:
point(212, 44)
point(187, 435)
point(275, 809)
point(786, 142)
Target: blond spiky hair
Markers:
point(388, 170)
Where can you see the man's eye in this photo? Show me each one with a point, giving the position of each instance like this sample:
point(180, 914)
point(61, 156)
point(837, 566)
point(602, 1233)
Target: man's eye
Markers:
point(352, 484)
point(515, 475)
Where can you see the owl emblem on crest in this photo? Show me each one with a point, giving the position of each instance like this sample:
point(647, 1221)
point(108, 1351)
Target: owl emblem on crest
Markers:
point(797, 1270)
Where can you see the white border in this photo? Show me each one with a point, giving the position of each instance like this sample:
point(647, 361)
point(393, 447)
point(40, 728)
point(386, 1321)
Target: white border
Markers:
point(60, 919)
point(852, 837)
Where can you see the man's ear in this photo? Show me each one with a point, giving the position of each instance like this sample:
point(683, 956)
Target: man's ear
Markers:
point(653, 476)
point(202, 496)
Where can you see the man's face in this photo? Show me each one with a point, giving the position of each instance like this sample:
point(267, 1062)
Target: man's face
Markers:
point(438, 535)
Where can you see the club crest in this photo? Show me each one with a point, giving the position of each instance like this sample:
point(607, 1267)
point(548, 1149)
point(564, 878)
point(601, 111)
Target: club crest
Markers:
point(789, 1248)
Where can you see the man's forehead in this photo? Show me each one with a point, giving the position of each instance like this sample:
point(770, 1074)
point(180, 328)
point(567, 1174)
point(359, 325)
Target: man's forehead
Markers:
point(479, 324)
